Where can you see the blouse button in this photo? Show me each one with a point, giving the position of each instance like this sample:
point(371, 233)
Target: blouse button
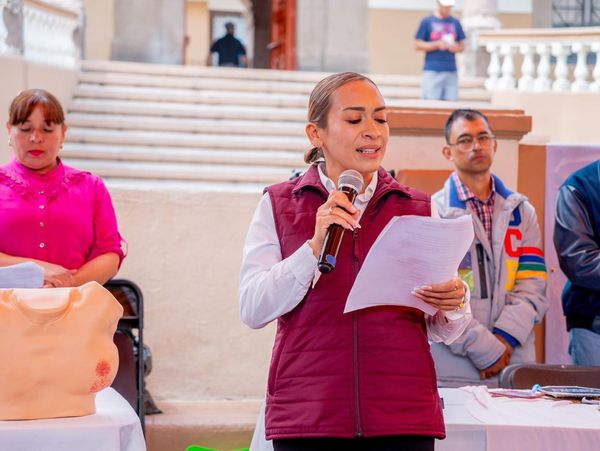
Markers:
point(42, 207)
point(42, 193)
point(41, 223)
point(42, 245)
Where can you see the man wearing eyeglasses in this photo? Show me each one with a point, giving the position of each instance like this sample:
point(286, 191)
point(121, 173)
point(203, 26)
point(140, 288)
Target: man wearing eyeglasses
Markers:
point(505, 266)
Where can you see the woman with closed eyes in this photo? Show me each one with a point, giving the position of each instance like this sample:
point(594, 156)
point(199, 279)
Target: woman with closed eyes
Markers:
point(52, 214)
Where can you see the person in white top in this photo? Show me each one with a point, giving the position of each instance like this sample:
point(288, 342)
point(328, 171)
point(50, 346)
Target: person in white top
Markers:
point(348, 128)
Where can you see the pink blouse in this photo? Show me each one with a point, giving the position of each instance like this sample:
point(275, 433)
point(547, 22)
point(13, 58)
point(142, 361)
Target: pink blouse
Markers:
point(64, 217)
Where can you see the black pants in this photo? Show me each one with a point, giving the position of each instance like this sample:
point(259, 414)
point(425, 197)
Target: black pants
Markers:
point(384, 443)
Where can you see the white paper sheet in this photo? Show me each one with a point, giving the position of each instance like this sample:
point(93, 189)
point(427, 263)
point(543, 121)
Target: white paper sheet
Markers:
point(410, 252)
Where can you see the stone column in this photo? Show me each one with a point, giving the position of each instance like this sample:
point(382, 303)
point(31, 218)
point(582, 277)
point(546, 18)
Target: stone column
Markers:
point(262, 32)
point(543, 13)
point(477, 16)
point(332, 35)
point(149, 31)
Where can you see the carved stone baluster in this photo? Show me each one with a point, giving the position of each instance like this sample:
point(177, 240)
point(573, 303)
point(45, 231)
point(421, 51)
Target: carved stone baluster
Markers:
point(527, 69)
point(581, 72)
point(595, 86)
point(543, 81)
point(27, 32)
point(561, 70)
point(507, 80)
point(32, 37)
point(48, 35)
point(493, 69)
point(477, 16)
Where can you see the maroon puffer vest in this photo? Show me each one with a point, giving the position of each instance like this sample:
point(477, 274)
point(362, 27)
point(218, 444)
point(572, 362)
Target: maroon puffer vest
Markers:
point(366, 373)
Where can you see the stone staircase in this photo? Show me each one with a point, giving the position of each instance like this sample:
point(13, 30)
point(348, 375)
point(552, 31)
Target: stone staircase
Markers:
point(222, 127)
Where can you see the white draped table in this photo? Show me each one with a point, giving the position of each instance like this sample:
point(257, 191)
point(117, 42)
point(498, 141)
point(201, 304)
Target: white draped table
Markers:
point(114, 427)
point(477, 422)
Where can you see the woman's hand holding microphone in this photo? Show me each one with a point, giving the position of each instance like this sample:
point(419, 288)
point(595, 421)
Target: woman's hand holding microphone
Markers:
point(336, 210)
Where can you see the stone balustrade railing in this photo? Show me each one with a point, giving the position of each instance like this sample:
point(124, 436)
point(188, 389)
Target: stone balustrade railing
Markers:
point(545, 59)
point(44, 31)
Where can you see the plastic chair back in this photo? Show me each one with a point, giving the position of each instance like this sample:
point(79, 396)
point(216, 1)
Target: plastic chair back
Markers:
point(129, 339)
point(526, 375)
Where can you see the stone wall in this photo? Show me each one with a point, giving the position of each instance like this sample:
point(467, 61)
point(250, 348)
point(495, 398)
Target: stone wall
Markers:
point(185, 249)
point(332, 35)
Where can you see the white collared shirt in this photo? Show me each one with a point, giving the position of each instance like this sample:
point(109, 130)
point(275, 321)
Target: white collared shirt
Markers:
point(271, 286)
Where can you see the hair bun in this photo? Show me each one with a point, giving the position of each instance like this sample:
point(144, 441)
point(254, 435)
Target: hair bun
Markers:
point(313, 154)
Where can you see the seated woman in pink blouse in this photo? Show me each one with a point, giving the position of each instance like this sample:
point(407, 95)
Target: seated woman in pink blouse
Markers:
point(52, 214)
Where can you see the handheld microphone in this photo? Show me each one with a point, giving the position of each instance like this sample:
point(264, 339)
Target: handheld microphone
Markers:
point(350, 183)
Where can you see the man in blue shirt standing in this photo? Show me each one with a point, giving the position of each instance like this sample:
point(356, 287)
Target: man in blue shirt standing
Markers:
point(440, 36)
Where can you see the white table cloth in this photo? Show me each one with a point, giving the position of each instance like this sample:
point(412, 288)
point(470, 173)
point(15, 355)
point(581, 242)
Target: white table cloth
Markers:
point(114, 427)
point(476, 421)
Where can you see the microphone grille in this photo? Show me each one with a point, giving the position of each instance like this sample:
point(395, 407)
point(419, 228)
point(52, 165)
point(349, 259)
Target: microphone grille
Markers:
point(352, 179)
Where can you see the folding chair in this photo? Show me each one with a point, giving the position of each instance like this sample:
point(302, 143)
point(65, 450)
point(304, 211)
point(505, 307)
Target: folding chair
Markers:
point(129, 339)
point(526, 375)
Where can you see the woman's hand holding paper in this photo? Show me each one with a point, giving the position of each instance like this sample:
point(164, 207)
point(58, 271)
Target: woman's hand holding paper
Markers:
point(447, 296)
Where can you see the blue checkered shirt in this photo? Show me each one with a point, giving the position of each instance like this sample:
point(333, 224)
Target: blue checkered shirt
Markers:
point(484, 210)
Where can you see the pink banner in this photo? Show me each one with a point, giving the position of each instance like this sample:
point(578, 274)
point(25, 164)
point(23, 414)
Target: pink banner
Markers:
point(561, 161)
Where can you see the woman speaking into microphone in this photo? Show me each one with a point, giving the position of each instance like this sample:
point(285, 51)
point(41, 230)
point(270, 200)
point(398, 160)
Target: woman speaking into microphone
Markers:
point(358, 381)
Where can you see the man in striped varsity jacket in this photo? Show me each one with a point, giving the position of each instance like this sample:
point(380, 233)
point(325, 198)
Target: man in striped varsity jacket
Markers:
point(504, 268)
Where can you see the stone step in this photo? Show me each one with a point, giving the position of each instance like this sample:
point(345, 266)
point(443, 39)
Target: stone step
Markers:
point(189, 96)
point(186, 139)
point(288, 160)
point(200, 71)
point(204, 84)
point(473, 95)
point(182, 171)
point(187, 125)
point(394, 96)
point(222, 425)
point(186, 110)
point(251, 74)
